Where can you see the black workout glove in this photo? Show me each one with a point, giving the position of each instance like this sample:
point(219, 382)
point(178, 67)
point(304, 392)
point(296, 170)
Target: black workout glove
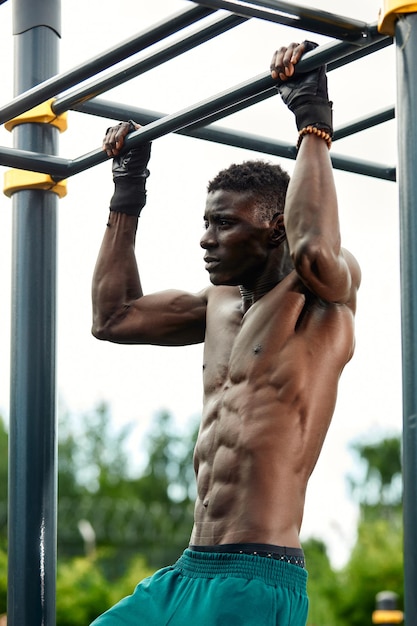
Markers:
point(305, 94)
point(129, 176)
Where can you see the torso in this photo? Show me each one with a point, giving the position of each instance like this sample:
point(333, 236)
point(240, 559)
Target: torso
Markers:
point(270, 384)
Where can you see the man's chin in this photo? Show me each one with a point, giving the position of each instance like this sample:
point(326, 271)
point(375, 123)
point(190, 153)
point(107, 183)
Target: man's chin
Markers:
point(222, 280)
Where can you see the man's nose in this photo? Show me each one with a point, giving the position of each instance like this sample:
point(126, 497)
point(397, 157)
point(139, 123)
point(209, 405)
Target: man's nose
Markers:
point(208, 240)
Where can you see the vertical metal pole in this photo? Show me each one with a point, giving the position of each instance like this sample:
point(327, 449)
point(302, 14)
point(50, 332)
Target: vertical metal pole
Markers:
point(32, 468)
point(406, 45)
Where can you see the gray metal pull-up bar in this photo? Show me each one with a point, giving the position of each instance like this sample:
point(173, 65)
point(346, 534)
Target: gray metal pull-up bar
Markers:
point(97, 87)
point(300, 17)
point(239, 139)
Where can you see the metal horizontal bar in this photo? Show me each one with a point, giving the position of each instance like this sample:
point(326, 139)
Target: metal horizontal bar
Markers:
point(366, 168)
point(234, 138)
point(379, 42)
point(332, 65)
point(177, 121)
point(301, 17)
point(59, 168)
point(363, 123)
point(289, 151)
point(59, 83)
point(132, 70)
point(55, 166)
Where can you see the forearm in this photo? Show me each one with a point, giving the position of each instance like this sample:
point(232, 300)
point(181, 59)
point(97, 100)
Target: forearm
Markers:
point(116, 279)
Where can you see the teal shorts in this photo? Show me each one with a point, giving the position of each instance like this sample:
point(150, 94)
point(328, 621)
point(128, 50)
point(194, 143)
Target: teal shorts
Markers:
point(215, 589)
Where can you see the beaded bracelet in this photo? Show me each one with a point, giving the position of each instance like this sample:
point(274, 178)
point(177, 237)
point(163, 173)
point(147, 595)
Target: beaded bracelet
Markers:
point(313, 130)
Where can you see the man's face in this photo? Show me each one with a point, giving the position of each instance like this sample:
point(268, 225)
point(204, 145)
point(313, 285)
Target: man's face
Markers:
point(236, 241)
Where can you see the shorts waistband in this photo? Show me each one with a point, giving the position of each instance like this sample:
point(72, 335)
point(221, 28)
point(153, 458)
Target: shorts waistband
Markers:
point(201, 564)
point(295, 556)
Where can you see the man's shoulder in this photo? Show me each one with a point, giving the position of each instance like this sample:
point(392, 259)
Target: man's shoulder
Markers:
point(219, 293)
point(354, 267)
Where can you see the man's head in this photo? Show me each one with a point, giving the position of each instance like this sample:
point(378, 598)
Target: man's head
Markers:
point(244, 222)
point(267, 183)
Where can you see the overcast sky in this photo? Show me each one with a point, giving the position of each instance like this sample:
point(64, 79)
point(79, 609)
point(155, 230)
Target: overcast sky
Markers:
point(139, 381)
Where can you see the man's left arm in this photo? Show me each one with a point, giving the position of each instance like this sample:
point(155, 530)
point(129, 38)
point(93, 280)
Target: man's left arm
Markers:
point(311, 210)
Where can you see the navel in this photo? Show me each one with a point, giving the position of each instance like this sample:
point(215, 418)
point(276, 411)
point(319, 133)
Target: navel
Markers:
point(257, 349)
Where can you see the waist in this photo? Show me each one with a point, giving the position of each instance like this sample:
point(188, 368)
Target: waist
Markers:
point(201, 564)
point(294, 556)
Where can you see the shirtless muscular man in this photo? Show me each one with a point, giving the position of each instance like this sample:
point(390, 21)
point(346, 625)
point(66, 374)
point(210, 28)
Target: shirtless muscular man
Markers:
point(277, 324)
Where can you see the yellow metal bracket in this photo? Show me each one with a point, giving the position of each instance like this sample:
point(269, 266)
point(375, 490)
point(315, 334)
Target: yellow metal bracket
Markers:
point(41, 114)
point(17, 180)
point(387, 617)
point(390, 12)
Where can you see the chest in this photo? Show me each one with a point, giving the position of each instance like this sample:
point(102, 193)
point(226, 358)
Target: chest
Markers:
point(237, 344)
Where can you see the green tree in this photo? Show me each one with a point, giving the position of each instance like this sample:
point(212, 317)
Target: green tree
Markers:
point(167, 486)
point(376, 562)
point(150, 513)
point(142, 522)
point(323, 585)
point(3, 581)
point(136, 518)
point(379, 489)
point(82, 592)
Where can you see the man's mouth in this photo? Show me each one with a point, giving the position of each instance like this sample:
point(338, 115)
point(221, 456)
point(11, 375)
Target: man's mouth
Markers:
point(211, 262)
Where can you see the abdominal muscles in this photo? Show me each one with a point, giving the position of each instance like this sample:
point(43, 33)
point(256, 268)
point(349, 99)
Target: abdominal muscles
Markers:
point(250, 476)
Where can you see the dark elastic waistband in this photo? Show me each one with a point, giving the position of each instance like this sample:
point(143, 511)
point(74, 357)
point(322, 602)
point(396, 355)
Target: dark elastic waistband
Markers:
point(201, 564)
point(295, 556)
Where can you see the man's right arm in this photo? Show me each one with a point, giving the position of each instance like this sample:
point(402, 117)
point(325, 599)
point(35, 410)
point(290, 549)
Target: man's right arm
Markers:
point(121, 313)
point(311, 211)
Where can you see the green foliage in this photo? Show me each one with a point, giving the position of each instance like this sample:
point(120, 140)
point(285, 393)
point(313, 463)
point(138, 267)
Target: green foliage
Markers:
point(323, 585)
point(91, 455)
point(379, 489)
point(376, 564)
point(82, 592)
point(347, 597)
point(3, 581)
point(149, 515)
point(137, 570)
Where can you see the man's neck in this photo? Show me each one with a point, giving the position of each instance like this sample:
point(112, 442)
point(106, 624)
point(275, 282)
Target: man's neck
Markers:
point(259, 289)
point(277, 271)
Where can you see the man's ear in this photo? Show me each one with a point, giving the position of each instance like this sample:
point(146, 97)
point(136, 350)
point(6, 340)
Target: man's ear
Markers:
point(277, 233)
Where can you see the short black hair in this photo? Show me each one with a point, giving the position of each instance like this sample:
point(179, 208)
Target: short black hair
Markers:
point(266, 181)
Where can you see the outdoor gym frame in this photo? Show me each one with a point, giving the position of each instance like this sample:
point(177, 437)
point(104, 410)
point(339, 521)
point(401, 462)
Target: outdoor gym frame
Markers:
point(36, 26)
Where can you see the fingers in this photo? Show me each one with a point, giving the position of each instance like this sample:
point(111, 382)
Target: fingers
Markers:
point(114, 138)
point(284, 60)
